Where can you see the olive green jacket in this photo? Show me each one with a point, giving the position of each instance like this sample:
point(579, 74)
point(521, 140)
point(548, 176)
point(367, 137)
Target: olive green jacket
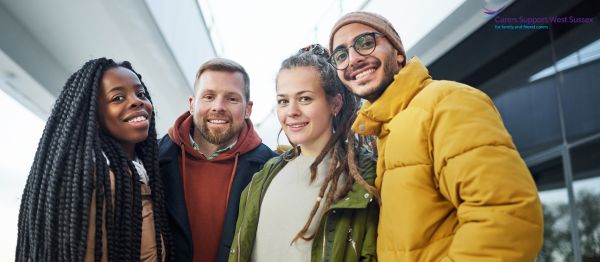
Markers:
point(347, 232)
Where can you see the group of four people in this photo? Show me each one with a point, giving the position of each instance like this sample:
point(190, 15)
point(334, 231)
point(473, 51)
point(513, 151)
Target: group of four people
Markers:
point(443, 183)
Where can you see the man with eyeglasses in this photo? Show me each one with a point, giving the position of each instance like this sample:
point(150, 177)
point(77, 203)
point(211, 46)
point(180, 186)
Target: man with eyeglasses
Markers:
point(452, 183)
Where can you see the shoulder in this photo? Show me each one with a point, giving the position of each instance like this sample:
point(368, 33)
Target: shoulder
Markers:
point(439, 91)
point(274, 164)
point(166, 147)
point(270, 167)
point(261, 153)
point(165, 141)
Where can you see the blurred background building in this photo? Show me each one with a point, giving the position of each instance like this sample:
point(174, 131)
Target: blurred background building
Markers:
point(544, 81)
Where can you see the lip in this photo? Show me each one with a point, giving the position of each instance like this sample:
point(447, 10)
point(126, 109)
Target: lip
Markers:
point(218, 119)
point(136, 114)
point(362, 69)
point(294, 126)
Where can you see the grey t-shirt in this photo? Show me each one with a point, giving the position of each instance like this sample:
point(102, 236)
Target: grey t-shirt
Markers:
point(285, 209)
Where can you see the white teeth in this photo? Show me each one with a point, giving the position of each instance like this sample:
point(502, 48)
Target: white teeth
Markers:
point(217, 121)
point(138, 119)
point(298, 125)
point(363, 74)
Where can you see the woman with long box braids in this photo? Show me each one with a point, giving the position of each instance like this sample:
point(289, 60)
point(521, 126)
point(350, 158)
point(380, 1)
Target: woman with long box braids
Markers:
point(93, 192)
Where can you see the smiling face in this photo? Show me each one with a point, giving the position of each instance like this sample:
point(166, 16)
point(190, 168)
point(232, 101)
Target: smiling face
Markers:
point(303, 110)
point(219, 107)
point(367, 76)
point(124, 111)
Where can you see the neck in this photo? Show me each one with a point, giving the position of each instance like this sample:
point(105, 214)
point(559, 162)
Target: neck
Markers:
point(314, 148)
point(207, 148)
point(129, 151)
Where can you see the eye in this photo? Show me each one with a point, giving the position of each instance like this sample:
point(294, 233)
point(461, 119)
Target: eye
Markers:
point(208, 97)
point(233, 100)
point(118, 98)
point(141, 94)
point(365, 42)
point(340, 56)
point(305, 99)
point(282, 102)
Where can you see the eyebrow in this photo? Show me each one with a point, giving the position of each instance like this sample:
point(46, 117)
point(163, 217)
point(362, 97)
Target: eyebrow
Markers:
point(213, 91)
point(122, 88)
point(297, 93)
point(344, 44)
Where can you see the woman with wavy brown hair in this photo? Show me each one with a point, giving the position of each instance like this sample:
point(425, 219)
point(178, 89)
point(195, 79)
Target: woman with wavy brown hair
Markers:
point(314, 202)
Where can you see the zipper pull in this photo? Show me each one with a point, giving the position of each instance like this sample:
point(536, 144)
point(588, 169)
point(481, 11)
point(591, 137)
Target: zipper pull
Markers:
point(350, 235)
point(352, 243)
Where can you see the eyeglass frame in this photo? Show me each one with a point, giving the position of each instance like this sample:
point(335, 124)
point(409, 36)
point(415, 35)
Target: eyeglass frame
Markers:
point(374, 34)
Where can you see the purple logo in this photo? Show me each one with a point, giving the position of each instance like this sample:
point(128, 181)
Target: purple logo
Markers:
point(493, 12)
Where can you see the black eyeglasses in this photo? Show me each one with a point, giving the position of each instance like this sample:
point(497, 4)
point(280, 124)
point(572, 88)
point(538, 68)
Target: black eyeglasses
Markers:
point(364, 44)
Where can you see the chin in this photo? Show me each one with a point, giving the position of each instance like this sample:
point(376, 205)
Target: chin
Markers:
point(296, 140)
point(363, 92)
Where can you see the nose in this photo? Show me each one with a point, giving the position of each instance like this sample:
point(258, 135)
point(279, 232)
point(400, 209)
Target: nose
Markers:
point(292, 110)
point(355, 57)
point(135, 101)
point(218, 105)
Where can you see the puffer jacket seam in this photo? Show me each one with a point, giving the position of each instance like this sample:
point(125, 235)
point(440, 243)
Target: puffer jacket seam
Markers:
point(420, 248)
point(506, 213)
point(472, 149)
point(407, 165)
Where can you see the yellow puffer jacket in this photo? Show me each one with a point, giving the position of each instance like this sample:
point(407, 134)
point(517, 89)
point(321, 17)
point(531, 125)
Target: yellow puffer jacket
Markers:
point(453, 185)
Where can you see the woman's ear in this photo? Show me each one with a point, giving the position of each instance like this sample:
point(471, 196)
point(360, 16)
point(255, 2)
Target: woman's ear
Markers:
point(337, 104)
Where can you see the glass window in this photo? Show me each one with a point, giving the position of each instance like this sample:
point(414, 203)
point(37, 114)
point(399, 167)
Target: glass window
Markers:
point(530, 114)
point(586, 169)
point(553, 194)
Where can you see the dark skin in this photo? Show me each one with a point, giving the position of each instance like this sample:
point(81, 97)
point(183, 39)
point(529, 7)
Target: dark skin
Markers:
point(124, 111)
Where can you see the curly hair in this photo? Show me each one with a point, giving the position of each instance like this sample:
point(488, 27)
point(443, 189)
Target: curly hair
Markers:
point(69, 166)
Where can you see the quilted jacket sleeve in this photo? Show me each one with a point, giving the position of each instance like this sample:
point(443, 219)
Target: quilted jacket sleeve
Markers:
point(480, 171)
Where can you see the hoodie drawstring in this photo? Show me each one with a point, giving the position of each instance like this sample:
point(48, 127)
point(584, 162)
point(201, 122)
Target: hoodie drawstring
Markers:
point(237, 155)
point(183, 163)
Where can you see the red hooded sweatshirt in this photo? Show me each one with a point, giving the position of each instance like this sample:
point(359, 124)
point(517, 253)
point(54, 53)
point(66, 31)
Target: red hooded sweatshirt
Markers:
point(206, 184)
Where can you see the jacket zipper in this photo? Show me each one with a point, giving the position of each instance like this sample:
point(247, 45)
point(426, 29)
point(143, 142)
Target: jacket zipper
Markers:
point(352, 243)
point(241, 226)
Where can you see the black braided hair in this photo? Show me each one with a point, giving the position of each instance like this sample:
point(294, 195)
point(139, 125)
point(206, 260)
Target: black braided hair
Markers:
point(70, 164)
point(343, 144)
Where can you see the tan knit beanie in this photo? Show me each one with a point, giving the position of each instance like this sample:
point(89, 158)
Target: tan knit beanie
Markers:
point(376, 21)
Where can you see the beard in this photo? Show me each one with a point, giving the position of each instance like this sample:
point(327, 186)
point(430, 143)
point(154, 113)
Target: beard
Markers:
point(218, 137)
point(390, 69)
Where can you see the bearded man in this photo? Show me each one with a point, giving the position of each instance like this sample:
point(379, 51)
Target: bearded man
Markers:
point(207, 159)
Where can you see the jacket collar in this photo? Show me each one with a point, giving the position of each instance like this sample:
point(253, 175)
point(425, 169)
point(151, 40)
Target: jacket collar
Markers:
point(357, 197)
point(407, 83)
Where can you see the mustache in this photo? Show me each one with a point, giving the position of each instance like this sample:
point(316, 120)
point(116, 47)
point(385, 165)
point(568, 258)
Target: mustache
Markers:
point(218, 115)
point(351, 69)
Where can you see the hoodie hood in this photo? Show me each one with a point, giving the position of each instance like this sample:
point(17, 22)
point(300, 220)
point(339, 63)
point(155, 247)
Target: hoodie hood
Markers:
point(247, 140)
